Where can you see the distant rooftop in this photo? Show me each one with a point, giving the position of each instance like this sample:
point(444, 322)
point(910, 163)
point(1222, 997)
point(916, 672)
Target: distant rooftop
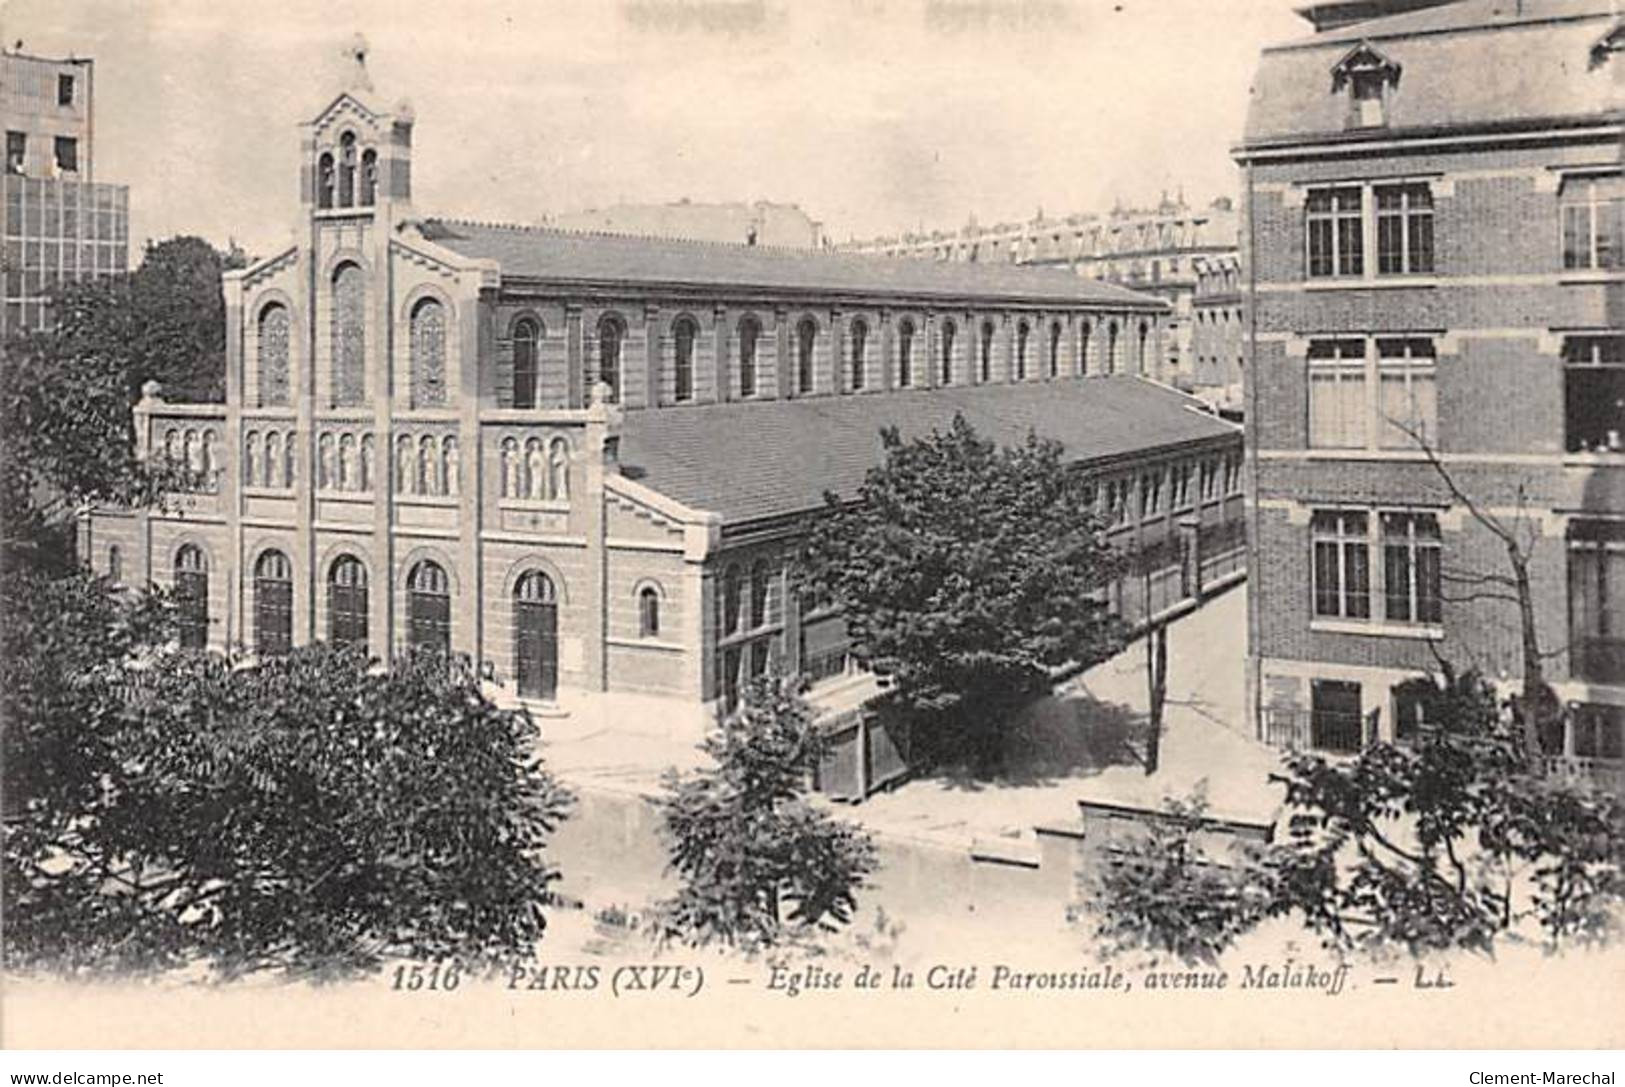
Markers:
point(1338, 13)
point(751, 461)
point(545, 253)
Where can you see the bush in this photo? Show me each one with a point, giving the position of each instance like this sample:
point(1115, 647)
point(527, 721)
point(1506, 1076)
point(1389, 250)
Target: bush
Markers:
point(313, 815)
point(758, 864)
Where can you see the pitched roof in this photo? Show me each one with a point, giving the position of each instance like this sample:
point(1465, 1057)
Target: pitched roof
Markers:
point(1539, 52)
point(748, 461)
point(568, 256)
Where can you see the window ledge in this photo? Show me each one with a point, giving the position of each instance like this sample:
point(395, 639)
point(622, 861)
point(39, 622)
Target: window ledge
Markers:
point(268, 492)
point(1414, 456)
point(333, 494)
point(1590, 275)
point(1377, 630)
point(1363, 283)
point(653, 644)
point(540, 505)
point(446, 501)
point(1609, 459)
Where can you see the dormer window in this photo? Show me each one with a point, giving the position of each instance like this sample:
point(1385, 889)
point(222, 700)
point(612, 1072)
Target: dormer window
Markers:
point(1366, 76)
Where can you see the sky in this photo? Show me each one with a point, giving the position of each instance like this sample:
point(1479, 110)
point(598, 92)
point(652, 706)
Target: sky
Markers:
point(875, 116)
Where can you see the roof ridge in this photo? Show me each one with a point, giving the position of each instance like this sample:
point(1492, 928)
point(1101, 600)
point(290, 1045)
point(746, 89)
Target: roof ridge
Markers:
point(627, 235)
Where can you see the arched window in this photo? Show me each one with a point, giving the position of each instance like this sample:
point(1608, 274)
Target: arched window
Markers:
point(732, 587)
point(558, 470)
point(759, 587)
point(347, 601)
point(273, 356)
point(1111, 348)
point(115, 565)
point(428, 354)
point(349, 336)
point(684, 332)
point(806, 339)
point(860, 351)
point(369, 178)
point(192, 596)
point(948, 331)
point(527, 336)
point(1022, 332)
point(749, 332)
point(1055, 349)
point(1145, 336)
point(428, 607)
point(536, 648)
point(273, 604)
point(611, 334)
point(905, 353)
point(1083, 349)
point(324, 181)
point(987, 352)
point(648, 612)
point(347, 170)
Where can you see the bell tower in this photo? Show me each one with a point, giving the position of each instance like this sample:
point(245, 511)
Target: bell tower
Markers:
point(356, 155)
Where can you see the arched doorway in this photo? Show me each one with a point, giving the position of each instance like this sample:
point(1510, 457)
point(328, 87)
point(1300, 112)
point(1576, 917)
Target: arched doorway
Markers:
point(273, 604)
point(428, 607)
point(536, 636)
point(347, 601)
point(192, 593)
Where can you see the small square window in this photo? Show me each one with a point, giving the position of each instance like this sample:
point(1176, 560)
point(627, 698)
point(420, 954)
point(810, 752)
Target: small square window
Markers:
point(64, 90)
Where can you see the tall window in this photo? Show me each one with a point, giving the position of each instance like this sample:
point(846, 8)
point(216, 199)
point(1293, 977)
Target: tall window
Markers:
point(1405, 383)
point(987, 353)
point(347, 601)
point(749, 333)
point(1410, 565)
point(1022, 333)
point(732, 590)
point(349, 337)
point(527, 335)
point(67, 154)
point(860, 349)
point(64, 90)
point(905, 353)
point(273, 356)
point(611, 334)
point(684, 334)
point(947, 375)
point(1404, 229)
point(115, 565)
point(1111, 348)
point(428, 350)
point(1342, 564)
point(806, 340)
point(273, 604)
point(1597, 600)
point(347, 170)
point(1140, 355)
point(326, 180)
point(16, 152)
point(1336, 241)
point(759, 586)
point(369, 178)
point(1337, 404)
point(1055, 349)
point(428, 607)
point(192, 593)
point(1083, 349)
point(1594, 393)
point(648, 612)
point(1593, 222)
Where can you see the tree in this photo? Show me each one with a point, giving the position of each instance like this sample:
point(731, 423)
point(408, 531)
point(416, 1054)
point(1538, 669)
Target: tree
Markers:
point(312, 815)
point(966, 574)
point(758, 864)
point(1446, 841)
point(1156, 681)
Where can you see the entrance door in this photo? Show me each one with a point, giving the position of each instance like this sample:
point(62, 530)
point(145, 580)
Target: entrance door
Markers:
point(536, 637)
point(273, 604)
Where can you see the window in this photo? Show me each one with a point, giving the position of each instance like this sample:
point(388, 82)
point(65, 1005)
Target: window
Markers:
point(1335, 722)
point(806, 340)
point(1111, 348)
point(1411, 700)
point(428, 351)
point(1055, 350)
point(192, 593)
point(1022, 334)
point(1151, 493)
point(64, 90)
point(428, 607)
point(684, 333)
point(369, 178)
point(905, 354)
point(1593, 223)
point(273, 356)
point(987, 352)
point(1404, 229)
point(1140, 355)
point(347, 601)
point(1335, 229)
point(1367, 99)
point(1179, 486)
point(1210, 479)
point(1597, 600)
point(1342, 560)
point(273, 604)
point(527, 336)
point(16, 153)
point(1406, 398)
point(115, 565)
point(349, 344)
point(346, 170)
point(947, 375)
point(67, 154)
point(1594, 393)
point(648, 612)
point(1410, 563)
point(611, 334)
point(732, 588)
point(749, 332)
point(1337, 404)
point(860, 337)
point(325, 180)
point(760, 585)
point(1083, 349)
point(1599, 731)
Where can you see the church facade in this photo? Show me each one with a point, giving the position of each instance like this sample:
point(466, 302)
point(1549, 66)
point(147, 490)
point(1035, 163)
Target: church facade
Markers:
point(582, 459)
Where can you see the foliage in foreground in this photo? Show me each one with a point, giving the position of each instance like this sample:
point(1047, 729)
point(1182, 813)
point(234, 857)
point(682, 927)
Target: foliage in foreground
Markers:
point(310, 815)
point(1444, 842)
point(758, 864)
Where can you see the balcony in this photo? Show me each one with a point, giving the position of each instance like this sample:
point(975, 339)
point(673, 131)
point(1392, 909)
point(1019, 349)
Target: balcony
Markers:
point(1333, 732)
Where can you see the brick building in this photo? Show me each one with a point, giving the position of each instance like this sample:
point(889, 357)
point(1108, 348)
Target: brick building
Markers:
point(582, 459)
point(1218, 332)
point(1432, 238)
point(60, 223)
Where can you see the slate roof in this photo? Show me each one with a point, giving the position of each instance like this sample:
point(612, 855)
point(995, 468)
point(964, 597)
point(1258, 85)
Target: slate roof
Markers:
point(748, 461)
point(565, 256)
point(1535, 58)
